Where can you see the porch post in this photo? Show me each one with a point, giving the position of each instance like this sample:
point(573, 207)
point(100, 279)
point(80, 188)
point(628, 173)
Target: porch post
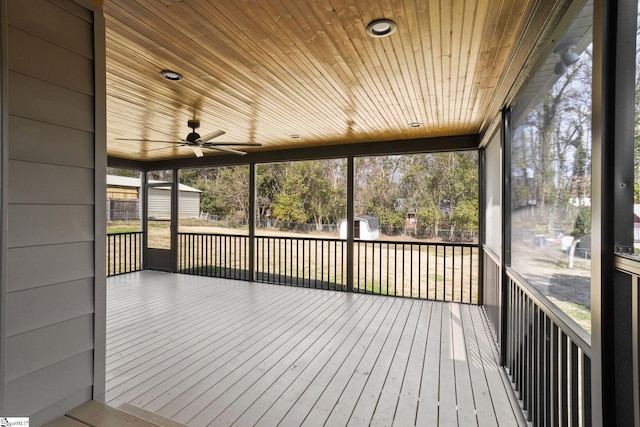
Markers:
point(144, 210)
point(252, 221)
point(614, 33)
point(350, 215)
point(482, 177)
point(505, 256)
point(4, 197)
point(175, 218)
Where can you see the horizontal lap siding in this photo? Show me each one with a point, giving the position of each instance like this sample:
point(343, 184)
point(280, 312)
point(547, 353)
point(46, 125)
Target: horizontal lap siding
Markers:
point(30, 142)
point(50, 274)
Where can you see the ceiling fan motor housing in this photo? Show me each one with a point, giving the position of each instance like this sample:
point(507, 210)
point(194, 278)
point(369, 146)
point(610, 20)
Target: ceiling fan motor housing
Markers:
point(193, 136)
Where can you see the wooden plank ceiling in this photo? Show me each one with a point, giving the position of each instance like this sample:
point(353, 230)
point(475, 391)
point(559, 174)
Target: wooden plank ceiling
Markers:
point(264, 70)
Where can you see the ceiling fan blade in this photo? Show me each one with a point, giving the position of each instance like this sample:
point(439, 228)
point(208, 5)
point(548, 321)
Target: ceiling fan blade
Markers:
point(226, 150)
point(234, 144)
point(211, 135)
point(198, 151)
point(145, 140)
point(155, 149)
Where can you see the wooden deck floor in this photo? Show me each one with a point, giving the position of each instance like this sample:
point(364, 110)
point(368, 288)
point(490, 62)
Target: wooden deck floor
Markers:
point(221, 352)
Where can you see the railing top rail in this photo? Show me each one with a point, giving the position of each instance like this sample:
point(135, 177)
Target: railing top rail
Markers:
point(333, 239)
point(628, 264)
point(212, 234)
point(119, 233)
point(409, 242)
point(491, 254)
point(324, 239)
point(578, 335)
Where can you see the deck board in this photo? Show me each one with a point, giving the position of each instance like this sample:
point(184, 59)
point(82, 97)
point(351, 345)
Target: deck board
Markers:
point(298, 372)
point(220, 352)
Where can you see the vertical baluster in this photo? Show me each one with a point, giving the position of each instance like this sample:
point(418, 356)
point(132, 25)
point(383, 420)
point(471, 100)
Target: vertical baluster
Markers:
point(428, 284)
point(411, 270)
point(547, 374)
point(357, 267)
point(586, 391)
point(336, 244)
point(387, 245)
point(471, 281)
point(555, 376)
point(462, 298)
point(444, 274)
point(128, 258)
point(518, 342)
point(436, 275)
point(535, 368)
point(529, 355)
point(266, 270)
point(395, 269)
point(453, 275)
point(575, 395)
point(402, 266)
point(564, 380)
point(366, 262)
point(321, 267)
point(109, 255)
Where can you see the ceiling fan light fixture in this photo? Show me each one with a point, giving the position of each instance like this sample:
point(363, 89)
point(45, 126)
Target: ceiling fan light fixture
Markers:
point(560, 68)
point(569, 57)
point(173, 76)
point(381, 27)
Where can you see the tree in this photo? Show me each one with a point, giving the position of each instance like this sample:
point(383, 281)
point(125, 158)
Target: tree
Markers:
point(311, 191)
point(225, 190)
point(123, 172)
point(582, 224)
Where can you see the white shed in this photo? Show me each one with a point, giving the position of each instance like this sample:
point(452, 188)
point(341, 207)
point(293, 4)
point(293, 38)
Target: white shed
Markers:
point(160, 202)
point(160, 197)
point(364, 228)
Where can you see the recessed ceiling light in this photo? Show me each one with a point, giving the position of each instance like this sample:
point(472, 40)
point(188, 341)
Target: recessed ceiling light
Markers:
point(295, 136)
point(171, 75)
point(415, 124)
point(381, 27)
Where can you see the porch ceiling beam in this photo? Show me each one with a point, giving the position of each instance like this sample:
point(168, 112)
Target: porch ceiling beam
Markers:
point(407, 146)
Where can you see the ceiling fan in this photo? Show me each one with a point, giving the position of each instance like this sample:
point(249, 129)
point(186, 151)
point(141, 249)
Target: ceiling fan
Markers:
point(197, 142)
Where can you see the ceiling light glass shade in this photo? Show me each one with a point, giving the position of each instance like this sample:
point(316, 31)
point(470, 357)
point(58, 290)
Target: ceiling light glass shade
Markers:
point(560, 68)
point(381, 27)
point(569, 57)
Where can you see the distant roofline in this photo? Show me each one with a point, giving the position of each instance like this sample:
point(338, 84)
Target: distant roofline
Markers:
point(125, 181)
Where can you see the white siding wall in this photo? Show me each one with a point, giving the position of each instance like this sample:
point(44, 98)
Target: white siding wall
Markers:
point(189, 205)
point(50, 282)
point(160, 203)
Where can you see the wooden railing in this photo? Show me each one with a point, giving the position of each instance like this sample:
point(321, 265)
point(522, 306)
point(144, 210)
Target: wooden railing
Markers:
point(548, 357)
point(124, 252)
point(442, 271)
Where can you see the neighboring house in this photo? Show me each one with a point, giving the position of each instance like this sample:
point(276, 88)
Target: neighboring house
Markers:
point(364, 228)
point(122, 190)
